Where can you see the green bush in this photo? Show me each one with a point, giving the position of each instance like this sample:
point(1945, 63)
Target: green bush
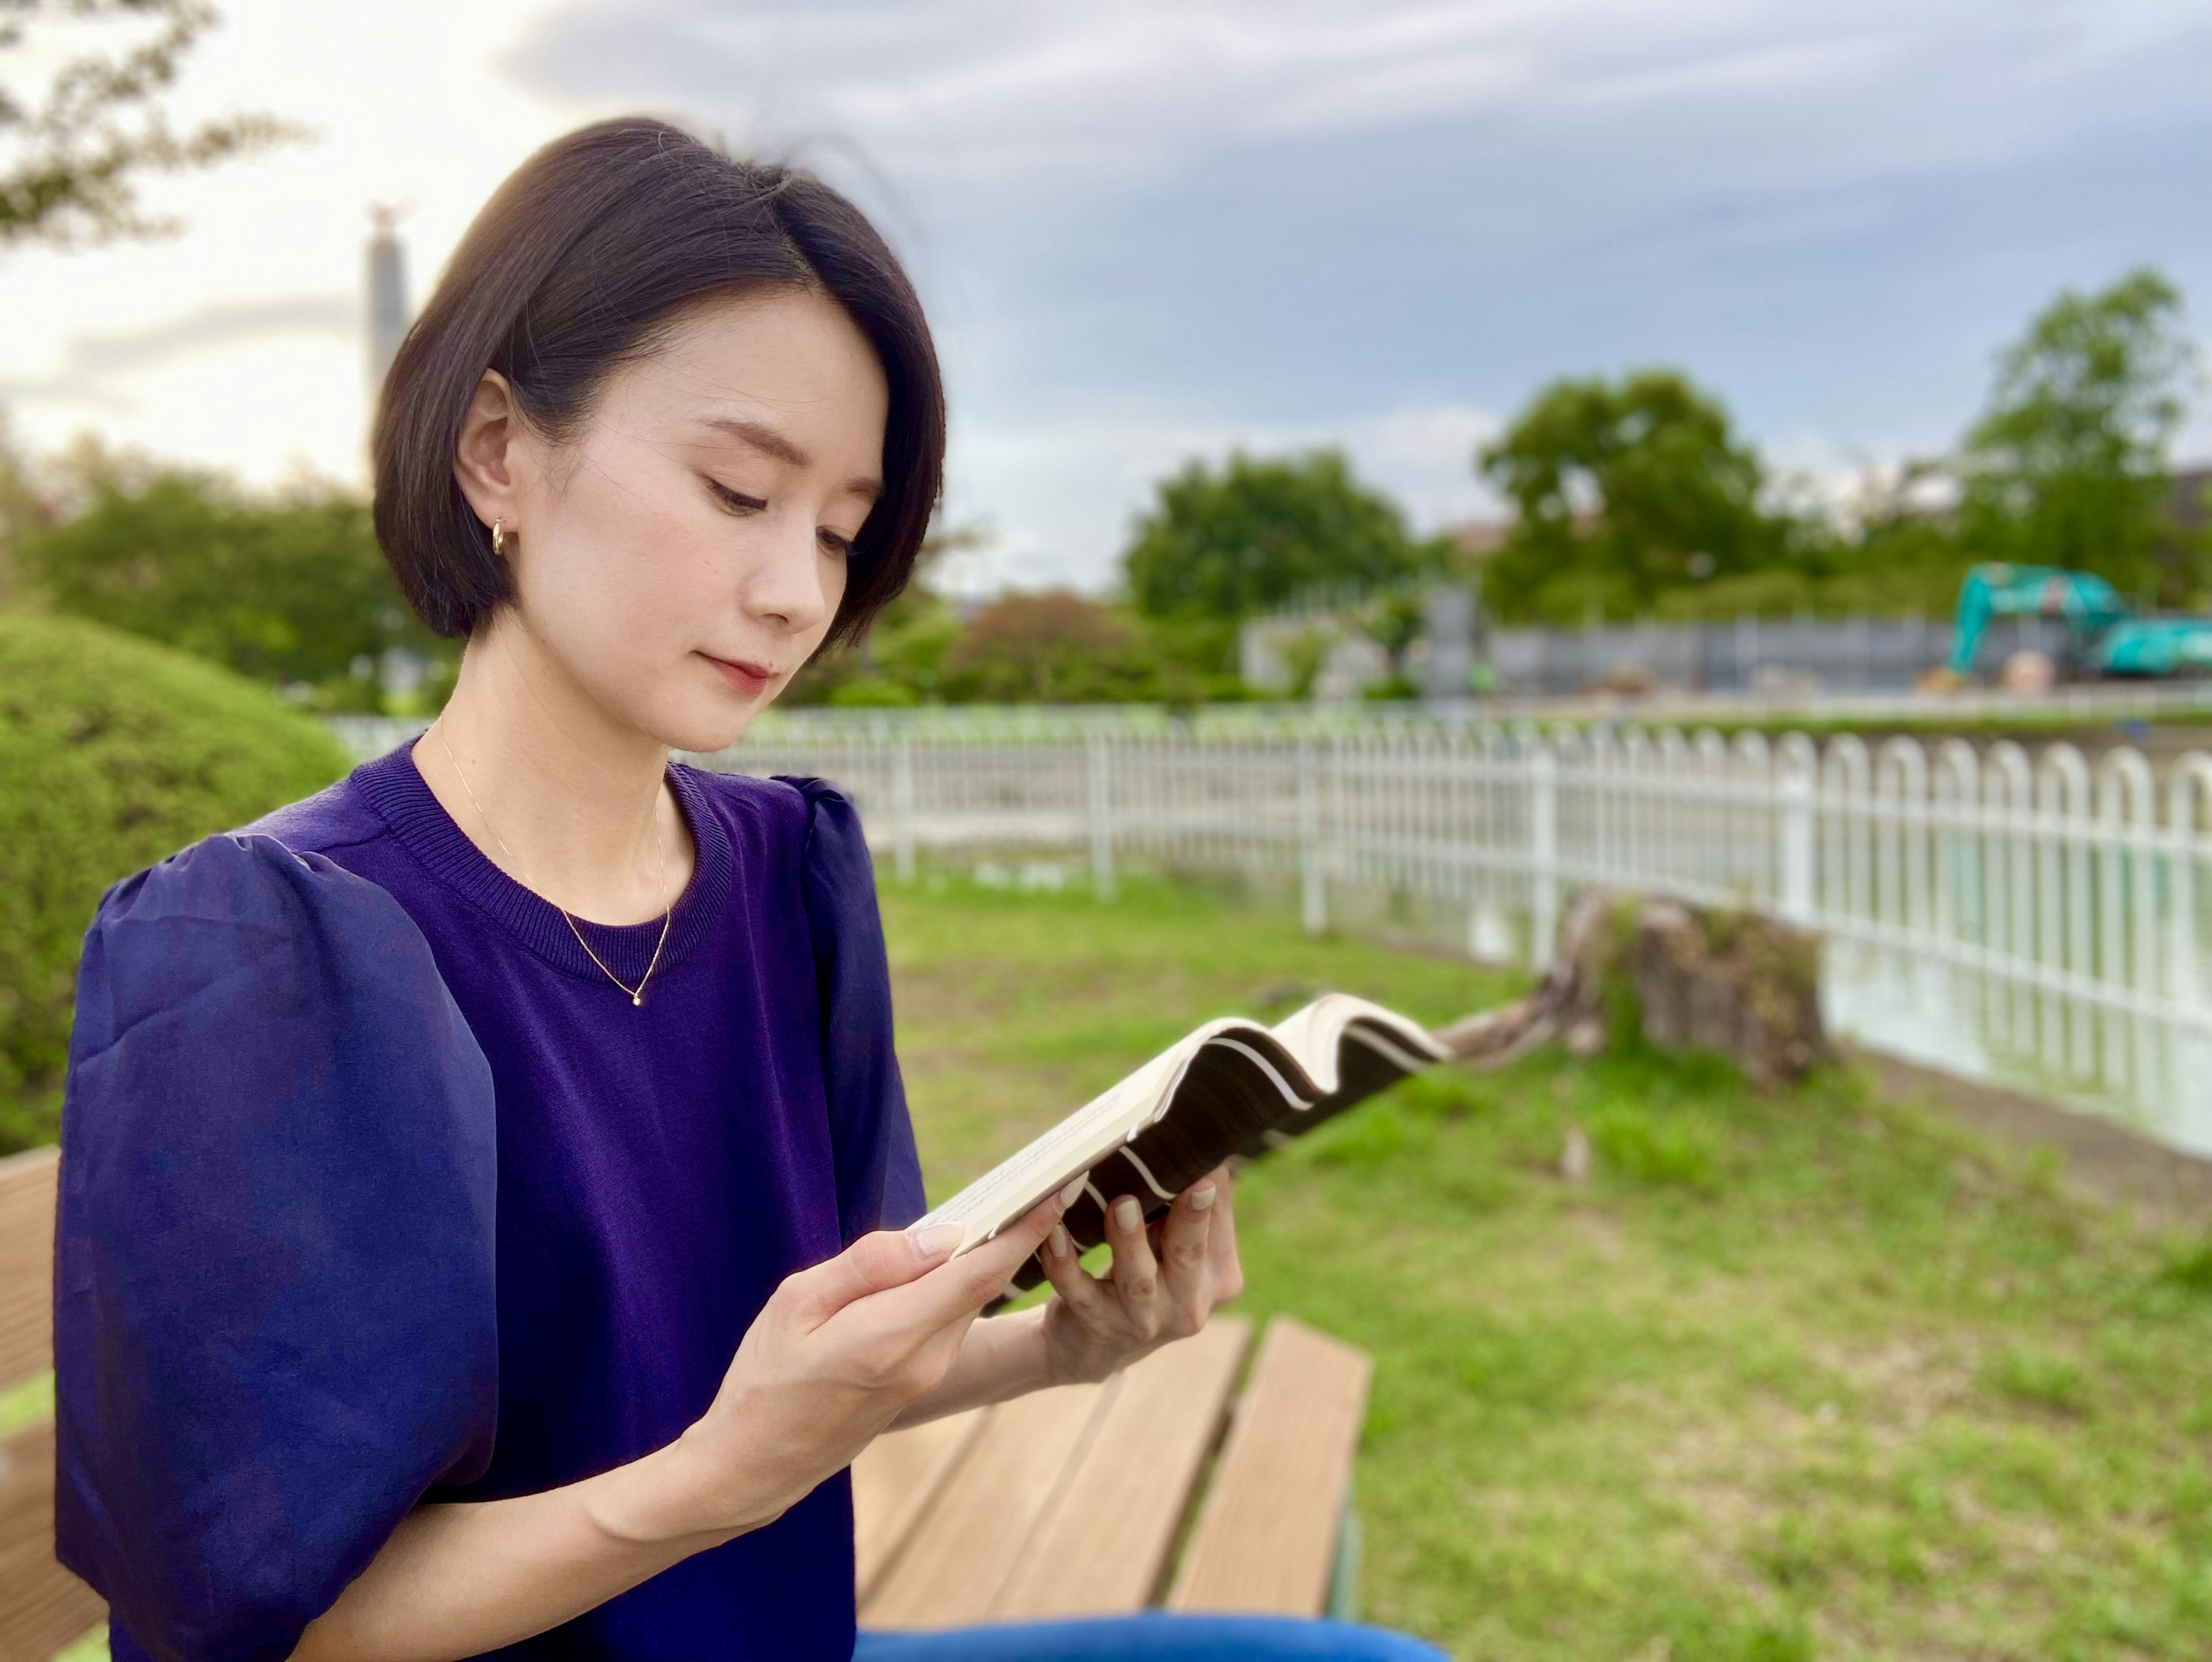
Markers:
point(114, 753)
point(286, 587)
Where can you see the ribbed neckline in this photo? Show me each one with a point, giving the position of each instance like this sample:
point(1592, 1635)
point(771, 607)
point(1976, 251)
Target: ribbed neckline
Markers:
point(396, 791)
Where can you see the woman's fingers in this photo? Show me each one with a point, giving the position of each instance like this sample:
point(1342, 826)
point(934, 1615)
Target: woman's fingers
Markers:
point(1135, 1272)
point(954, 1291)
point(1063, 1268)
point(874, 1263)
point(1184, 1242)
point(1222, 1267)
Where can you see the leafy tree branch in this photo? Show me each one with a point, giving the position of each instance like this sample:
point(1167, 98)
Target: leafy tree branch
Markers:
point(71, 161)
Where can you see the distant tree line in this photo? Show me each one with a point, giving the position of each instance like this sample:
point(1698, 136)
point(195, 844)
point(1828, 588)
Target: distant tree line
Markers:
point(1630, 496)
point(1219, 544)
point(285, 586)
point(1635, 495)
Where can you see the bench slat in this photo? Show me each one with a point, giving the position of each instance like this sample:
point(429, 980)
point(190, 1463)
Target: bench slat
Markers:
point(893, 1483)
point(26, 1263)
point(960, 1552)
point(42, 1606)
point(1101, 1547)
point(1267, 1532)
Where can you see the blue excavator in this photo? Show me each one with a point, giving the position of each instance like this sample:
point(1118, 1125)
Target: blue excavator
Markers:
point(2104, 634)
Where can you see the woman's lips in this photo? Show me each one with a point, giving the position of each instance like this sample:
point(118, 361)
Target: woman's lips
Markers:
point(749, 679)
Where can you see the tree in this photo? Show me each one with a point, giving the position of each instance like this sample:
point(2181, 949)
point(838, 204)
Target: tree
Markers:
point(1220, 545)
point(21, 508)
point(289, 589)
point(1623, 490)
point(2069, 465)
point(71, 163)
point(1056, 648)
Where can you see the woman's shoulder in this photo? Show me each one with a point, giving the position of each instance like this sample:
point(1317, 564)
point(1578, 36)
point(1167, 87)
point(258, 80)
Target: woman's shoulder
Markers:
point(817, 830)
point(242, 877)
point(277, 864)
point(337, 816)
point(803, 809)
point(274, 865)
point(242, 906)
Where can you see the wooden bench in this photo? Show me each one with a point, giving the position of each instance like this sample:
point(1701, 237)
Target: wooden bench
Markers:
point(1069, 1503)
point(1074, 1502)
point(43, 1608)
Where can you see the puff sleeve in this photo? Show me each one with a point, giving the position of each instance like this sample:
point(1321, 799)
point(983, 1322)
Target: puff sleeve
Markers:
point(274, 1321)
point(879, 1174)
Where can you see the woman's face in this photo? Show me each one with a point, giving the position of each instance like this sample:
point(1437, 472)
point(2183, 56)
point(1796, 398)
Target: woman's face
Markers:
point(684, 555)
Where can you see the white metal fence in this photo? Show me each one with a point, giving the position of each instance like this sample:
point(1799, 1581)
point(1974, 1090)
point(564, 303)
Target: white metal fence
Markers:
point(2088, 704)
point(2001, 913)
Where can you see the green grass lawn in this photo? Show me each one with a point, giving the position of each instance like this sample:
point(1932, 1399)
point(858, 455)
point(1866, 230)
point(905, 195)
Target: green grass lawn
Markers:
point(1810, 1375)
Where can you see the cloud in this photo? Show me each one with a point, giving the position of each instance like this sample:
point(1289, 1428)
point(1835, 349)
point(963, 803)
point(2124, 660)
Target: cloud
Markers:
point(1081, 97)
point(1154, 228)
point(97, 369)
point(1059, 499)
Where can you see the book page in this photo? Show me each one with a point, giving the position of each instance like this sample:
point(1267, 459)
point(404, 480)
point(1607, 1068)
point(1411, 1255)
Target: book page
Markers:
point(1315, 1034)
point(1313, 1037)
point(1071, 1148)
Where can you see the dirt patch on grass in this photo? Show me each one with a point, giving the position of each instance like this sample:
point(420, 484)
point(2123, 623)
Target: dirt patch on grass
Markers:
point(1914, 1378)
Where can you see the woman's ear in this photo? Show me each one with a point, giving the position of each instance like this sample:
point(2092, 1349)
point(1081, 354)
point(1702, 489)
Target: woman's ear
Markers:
point(486, 453)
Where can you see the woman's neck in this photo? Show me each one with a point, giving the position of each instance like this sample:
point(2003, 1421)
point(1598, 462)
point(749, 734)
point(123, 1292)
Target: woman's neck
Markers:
point(565, 799)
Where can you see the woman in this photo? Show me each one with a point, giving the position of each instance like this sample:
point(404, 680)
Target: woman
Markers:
point(486, 1183)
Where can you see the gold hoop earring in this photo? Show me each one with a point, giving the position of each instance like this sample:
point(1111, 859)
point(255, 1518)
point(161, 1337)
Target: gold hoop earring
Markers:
point(499, 538)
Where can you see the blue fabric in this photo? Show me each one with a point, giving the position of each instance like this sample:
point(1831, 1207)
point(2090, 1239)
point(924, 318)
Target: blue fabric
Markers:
point(376, 1189)
point(274, 1317)
point(1149, 1638)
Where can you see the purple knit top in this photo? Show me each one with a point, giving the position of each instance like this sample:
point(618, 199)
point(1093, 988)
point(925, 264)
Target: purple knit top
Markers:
point(376, 1189)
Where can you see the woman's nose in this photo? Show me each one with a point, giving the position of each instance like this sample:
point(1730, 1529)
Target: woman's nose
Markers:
point(786, 586)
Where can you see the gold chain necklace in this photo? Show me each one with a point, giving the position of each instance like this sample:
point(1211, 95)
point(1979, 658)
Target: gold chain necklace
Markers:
point(660, 873)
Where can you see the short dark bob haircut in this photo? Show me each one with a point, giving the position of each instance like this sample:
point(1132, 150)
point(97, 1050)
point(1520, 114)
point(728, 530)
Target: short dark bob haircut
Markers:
point(579, 264)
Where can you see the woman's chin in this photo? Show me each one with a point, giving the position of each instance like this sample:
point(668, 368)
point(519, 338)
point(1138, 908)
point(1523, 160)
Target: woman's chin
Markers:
point(703, 729)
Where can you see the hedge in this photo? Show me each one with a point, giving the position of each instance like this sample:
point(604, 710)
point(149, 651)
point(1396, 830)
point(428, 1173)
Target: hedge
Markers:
point(114, 753)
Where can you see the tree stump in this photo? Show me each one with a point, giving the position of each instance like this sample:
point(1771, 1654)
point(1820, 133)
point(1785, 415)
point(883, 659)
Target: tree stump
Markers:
point(1687, 978)
point(1730, 982)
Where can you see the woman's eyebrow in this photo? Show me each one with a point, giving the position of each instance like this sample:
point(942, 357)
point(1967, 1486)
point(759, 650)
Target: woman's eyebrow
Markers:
point(769, 442)
point(763, 438)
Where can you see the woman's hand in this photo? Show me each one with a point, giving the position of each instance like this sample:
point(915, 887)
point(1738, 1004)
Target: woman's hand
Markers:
point(1163, 1283)
point(836, 1353)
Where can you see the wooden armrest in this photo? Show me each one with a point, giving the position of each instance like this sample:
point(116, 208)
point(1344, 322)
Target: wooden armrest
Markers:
point(1103, 1548)
point(42, 1606)
point(27, 1193)
point(1266, 1533)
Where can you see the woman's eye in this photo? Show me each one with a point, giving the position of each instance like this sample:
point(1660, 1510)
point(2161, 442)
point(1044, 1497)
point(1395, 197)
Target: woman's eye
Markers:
point(736, 501)
point(838, 545)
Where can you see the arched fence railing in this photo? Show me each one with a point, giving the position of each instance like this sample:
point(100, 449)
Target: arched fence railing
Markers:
point(2069, 892)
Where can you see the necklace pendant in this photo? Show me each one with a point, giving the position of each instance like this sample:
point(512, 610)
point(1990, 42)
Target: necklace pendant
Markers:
point(637, 1001)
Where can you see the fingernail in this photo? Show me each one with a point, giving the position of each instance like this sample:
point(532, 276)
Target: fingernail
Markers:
point(1068, 1196)
point(1056, 1242)
point(936, 1241)
point(1201, 1196)
point(1128, 1214)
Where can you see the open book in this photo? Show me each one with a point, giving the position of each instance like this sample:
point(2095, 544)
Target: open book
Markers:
point(1231, 1086)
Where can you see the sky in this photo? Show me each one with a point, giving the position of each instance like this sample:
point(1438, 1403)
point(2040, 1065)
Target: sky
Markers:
point(1148, 230)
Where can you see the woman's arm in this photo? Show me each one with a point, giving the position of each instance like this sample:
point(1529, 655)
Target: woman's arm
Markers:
point(1095, 1326)
point(835, 1355)
point(456, 1580)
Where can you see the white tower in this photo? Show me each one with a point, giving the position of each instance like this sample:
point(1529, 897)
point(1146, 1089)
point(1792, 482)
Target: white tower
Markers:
point(387, 295)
